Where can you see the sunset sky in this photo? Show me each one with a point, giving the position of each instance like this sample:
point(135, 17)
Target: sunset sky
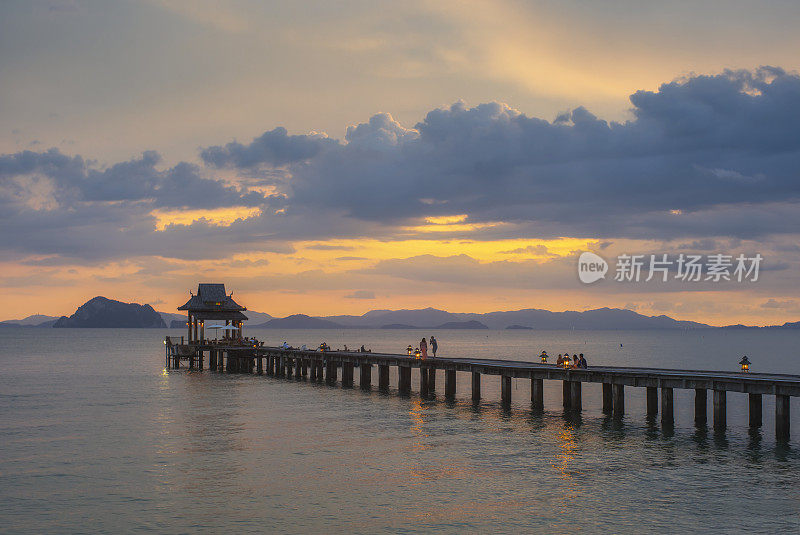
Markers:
point(337, 157)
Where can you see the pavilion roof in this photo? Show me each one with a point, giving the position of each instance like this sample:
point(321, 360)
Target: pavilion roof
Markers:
point(211, 298)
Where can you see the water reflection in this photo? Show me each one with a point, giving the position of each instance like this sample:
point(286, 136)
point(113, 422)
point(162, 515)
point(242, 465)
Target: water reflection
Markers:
point(416, 411)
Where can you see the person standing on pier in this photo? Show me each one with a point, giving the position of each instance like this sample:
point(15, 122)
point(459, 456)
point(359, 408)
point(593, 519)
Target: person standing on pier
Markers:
point(434, 346)
point(423, 348)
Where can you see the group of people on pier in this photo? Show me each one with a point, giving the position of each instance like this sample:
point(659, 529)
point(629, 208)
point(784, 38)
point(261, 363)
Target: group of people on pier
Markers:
point(564, 361)
point(421, 352)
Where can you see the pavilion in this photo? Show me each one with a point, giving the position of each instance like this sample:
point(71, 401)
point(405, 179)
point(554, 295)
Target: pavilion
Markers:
point(212, 303)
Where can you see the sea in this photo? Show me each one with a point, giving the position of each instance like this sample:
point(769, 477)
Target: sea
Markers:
point(97, 436)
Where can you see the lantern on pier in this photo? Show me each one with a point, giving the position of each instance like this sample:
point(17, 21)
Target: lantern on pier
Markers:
point(417, 353)
point(410, 350)
point(567, 362)
point(544, 357)
point(745, 364)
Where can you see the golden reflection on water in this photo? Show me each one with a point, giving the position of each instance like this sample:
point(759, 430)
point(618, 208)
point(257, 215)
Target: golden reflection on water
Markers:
point(568, 449)
point(417, 428)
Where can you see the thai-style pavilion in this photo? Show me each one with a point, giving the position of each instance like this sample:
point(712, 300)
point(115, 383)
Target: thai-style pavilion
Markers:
point(212, 303)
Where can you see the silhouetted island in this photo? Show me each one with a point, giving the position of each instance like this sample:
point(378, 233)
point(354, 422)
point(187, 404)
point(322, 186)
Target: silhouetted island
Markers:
point(102, 312)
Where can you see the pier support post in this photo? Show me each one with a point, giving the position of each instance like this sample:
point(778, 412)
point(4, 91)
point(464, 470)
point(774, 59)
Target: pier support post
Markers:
point(383, 376)
point(608, 398)
point(782, 407)
point(755, 410)
point(618, 393)
point(505, 390)
point(700, 406)
point(537, 394)
point(404, 381)
point(652, 400)
point(313, 376)
point(259, 365)
point(191, 361)
point(332, 371)
point(423, 381)
point(476, 386)
point(347, 374)
point(212, 359)
point(667, 410)
point(431, 380)
point(566, 394)
point(176, 361)
point(365, 375)
point(298, 368)
point(450, 384)
point(720, 409)
point(202, 355)
point(575, 396)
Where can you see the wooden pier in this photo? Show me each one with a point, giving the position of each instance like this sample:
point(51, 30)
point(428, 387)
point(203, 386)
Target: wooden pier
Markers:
point(325, 366)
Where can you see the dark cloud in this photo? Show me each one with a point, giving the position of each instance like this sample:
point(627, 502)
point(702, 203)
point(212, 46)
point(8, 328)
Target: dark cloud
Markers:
point(704, 158)
point(275, 148)
point(705, 145)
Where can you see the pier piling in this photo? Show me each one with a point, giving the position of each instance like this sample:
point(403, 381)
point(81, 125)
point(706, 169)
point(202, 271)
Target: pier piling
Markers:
point(608, 398)
point(782, 417)
point(365, 375)
point(505, 388)
point(476, 386)
point(383, 376)
point(537, 394)
point(667, 410)
point(618, 392)
point(652, 400)
point(404, 380)
point(720, 410)
point(755, 409)
point(700, 407)
point(450, 384)
point(575, 396)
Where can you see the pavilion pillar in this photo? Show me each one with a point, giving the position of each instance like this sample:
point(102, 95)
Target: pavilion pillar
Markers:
point(202, 332)
point(189, 326)
point(196, 330)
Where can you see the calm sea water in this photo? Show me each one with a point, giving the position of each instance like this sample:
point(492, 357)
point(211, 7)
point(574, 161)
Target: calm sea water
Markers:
point(96, 436)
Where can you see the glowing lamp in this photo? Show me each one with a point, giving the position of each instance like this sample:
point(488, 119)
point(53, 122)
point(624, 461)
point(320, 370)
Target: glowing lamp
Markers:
point(745, 364)
point(544, 357)
point(567, 363)
point(417, 353)
point(410, 349)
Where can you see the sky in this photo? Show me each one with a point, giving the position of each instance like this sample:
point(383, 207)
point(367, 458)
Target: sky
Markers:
point(338, 157)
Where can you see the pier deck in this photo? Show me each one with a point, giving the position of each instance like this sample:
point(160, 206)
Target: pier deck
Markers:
point(324, 365)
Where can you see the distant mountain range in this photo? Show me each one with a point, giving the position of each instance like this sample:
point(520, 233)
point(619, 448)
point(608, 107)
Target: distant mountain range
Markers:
point(103, 312)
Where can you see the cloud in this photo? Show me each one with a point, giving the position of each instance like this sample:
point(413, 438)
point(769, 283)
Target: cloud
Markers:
point(361, 294)
point(275, 148)
point(704, 158)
